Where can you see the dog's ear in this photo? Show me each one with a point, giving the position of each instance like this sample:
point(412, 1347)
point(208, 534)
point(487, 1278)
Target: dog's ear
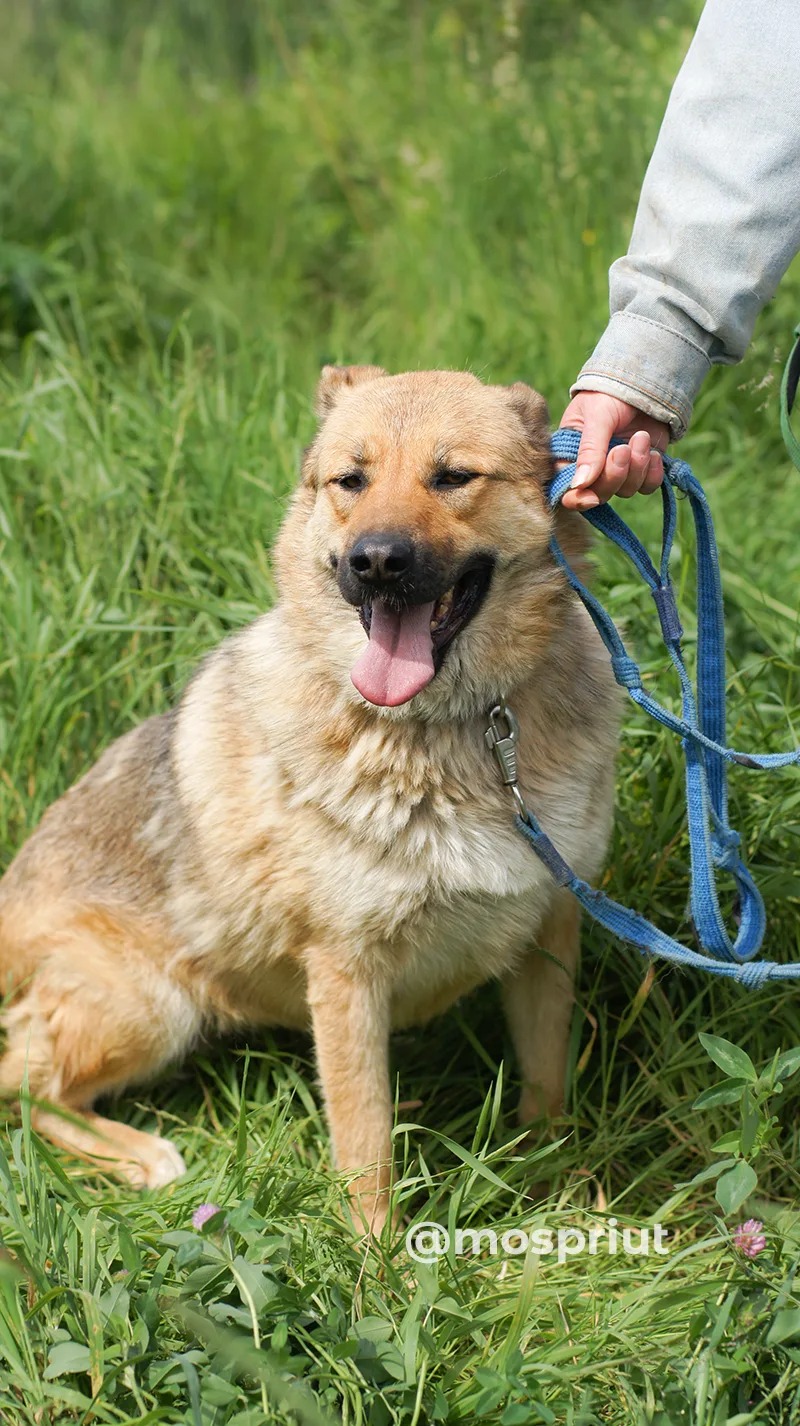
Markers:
point(532, 411)
point(336, 379)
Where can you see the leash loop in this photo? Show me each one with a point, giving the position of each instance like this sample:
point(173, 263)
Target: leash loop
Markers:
point(789, 383)
point(714, 844)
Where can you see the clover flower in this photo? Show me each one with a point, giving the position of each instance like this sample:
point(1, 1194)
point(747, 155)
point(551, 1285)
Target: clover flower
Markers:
point(202, 1214)
point(749, 1238)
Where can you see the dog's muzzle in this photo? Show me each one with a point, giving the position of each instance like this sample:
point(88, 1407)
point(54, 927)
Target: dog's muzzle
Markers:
point(412, 605)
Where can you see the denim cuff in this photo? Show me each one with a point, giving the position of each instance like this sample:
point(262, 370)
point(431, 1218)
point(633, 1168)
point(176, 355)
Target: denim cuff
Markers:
point(651, 366)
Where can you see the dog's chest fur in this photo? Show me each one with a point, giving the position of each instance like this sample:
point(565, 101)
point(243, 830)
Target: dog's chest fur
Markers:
point(390, 842)
point(433, 879)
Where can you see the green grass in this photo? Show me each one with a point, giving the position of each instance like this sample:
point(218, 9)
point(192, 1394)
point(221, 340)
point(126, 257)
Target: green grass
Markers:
point(198, 206)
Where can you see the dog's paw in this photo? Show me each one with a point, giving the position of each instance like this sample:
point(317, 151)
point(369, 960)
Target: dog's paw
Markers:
point(165, 1165)
point(157, 1164)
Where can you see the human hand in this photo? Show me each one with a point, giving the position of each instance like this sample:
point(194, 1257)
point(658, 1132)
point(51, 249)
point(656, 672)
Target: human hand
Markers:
point(633, 469)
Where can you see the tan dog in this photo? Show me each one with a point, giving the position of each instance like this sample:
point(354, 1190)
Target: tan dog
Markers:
point(317, 835)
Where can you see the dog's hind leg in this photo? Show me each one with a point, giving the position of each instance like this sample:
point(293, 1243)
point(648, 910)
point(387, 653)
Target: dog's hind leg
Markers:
point(98, 1014)
point(144, 1160)
point(538, 999)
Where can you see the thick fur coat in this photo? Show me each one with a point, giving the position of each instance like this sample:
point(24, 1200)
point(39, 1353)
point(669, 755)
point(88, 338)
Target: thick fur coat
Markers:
point(280, 849)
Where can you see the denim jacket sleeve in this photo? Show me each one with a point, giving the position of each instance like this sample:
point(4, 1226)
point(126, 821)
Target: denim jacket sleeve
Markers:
point(718, 220)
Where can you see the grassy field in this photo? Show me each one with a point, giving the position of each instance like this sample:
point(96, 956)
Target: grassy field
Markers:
point(200, 205)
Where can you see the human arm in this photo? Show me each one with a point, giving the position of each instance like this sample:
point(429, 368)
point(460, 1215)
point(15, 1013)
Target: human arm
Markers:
point(717, 225)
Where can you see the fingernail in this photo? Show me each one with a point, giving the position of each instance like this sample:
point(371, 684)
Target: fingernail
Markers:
point(588, 501)
point(584, 475)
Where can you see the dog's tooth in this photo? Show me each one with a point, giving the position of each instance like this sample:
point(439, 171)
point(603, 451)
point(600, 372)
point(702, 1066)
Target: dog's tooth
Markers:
point(442, 609)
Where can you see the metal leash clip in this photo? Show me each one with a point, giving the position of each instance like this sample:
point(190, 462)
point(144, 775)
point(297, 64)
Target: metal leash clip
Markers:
point(503, 744)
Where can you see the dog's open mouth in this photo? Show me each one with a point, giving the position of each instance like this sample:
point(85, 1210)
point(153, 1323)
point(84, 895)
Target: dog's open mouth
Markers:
point(408, 642)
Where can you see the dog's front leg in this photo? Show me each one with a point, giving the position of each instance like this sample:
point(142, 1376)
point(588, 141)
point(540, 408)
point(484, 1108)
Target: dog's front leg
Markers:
point(538, 1000)
point(351, 1021)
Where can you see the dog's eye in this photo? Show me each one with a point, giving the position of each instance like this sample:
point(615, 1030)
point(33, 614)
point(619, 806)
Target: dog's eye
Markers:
point(452, 479)
point(354, 480)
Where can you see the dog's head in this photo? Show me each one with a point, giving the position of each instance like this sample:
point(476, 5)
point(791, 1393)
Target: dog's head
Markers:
point(415, 554)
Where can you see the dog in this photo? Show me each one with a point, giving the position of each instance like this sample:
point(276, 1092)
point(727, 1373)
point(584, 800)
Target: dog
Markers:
point(317, 836)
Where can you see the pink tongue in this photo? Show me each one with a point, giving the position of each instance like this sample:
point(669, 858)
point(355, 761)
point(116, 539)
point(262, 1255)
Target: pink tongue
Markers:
point(398, 660)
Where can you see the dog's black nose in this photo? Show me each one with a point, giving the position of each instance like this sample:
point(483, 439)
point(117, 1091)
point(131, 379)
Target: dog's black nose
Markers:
point(381, 559)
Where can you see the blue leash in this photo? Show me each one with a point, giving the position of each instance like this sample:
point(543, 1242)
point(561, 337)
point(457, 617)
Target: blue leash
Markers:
point(713, 842)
